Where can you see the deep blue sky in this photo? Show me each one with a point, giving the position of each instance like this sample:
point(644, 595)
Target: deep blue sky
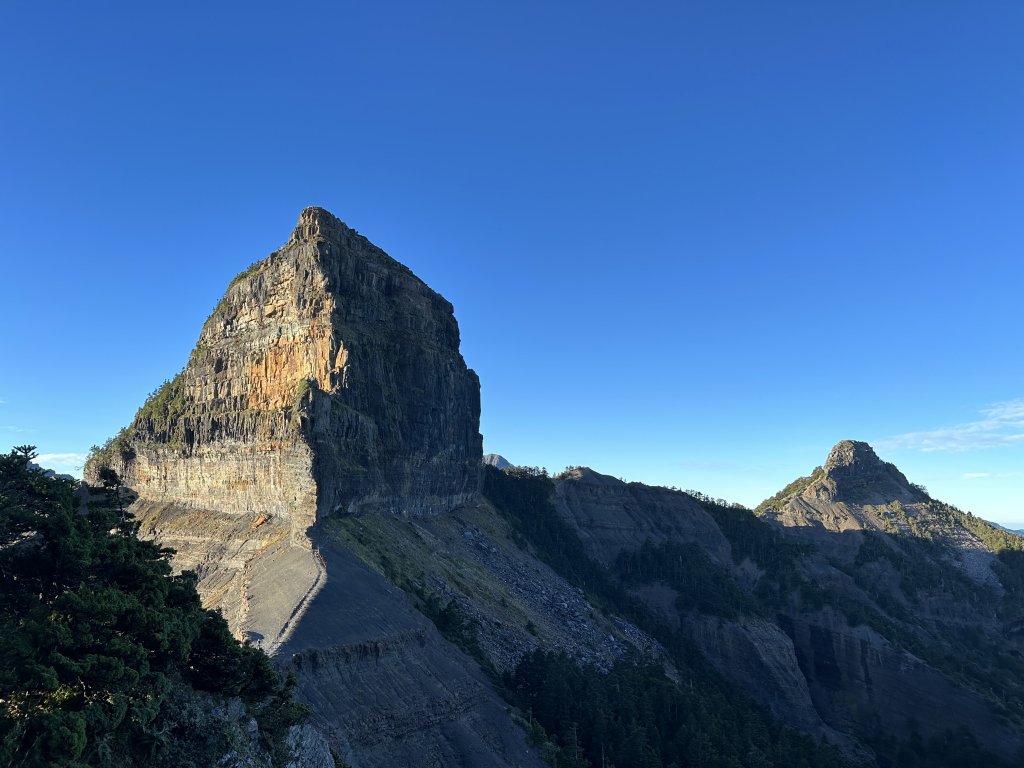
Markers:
point(692, 244)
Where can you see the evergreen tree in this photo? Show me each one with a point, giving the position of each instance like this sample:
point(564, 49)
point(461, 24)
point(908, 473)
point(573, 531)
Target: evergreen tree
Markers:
point(96, 634)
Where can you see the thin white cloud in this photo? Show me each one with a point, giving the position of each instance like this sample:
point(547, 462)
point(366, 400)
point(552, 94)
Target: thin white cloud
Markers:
point(13, 429)
point(1001, 425)
point(60, 461)
point(976, 475)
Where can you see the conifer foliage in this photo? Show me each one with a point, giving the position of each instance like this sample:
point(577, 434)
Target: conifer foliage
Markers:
point(98, 638)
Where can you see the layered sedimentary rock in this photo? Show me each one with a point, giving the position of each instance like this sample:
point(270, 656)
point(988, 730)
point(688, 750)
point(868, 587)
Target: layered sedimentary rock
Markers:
point(327, 379)
point(303, 462)
point(327, 382)
point(610, 515)
point(385, 688)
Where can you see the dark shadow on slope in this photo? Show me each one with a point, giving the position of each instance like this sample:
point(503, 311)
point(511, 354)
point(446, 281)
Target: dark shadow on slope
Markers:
point(385, 685)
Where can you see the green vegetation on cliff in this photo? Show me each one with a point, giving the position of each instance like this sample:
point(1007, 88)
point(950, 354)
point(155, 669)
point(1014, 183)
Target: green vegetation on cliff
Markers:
point(165, 403)
point(797, 486)
point(587, 716)
point(106, 658)
point(523, 495)
point(161, 408)
point(633, 715)
point(701, 584)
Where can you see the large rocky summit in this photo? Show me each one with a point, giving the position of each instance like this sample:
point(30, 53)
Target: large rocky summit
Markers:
point(327, 379)
point(327, 383)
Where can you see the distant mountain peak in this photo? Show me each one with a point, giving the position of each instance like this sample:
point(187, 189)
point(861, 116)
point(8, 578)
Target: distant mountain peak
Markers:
point(497, 460)
point(841, 494)
point(854, 473)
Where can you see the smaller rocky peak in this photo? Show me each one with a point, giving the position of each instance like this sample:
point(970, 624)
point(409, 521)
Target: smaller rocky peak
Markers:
point(318, 223)
point(854, 473)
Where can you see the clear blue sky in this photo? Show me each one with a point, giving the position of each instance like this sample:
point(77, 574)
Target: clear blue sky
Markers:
point(692, 244)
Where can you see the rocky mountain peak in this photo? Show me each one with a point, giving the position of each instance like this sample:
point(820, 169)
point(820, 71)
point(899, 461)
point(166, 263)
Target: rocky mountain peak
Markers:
point(855, 455)
point(316, 222)
point(838, 496)
point(853, 472)
point(328, 381)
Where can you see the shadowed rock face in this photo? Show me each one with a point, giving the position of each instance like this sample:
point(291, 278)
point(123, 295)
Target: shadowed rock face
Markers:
point(610, 515)
point(863, 681)
point(328, 384)
point(835, 666)
point(385, 688)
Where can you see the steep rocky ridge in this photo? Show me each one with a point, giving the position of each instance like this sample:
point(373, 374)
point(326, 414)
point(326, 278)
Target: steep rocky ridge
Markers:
point(328, 352)
point(914, 593)
point(857, 491)
point(610, 515)
point(860, 632)
point(327, 379)
point(844, 495)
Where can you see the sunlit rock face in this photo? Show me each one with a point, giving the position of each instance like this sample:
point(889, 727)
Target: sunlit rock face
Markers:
point(328, 380)
point(850, 492)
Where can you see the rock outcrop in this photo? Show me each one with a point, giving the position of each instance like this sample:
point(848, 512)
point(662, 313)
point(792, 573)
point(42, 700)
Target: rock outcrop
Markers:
point(318, 464)
point(328, 380)
point(910, 575)
point(327, 383)
point(864, 588)
point(848, 493)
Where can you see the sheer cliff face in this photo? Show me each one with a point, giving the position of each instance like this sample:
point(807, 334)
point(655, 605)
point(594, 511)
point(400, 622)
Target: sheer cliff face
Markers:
point(328, 380)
